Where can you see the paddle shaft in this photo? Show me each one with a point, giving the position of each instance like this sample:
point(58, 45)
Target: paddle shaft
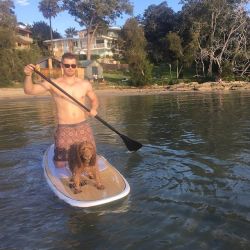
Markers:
point(72, 98)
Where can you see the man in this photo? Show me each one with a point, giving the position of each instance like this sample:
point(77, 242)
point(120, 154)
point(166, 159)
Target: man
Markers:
point(72, 125)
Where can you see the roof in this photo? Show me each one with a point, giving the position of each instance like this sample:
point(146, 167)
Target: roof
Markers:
point(61, 39)
point(24, 29)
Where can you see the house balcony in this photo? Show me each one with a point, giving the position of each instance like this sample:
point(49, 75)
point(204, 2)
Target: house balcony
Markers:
point(101, 46)
point(24, 39)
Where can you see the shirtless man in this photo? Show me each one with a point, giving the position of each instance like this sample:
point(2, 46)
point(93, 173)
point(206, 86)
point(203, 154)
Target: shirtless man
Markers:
point(72, 124)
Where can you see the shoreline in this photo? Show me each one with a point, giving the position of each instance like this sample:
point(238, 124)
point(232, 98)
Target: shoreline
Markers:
point(14, 93)
point(108, 90)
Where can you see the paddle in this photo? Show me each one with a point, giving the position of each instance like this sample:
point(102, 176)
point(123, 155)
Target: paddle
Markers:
point(132, 145)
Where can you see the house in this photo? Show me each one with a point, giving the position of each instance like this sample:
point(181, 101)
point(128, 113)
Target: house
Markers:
point(92, 70)
point(23, 37)
point(103, 43)
point(61, 45)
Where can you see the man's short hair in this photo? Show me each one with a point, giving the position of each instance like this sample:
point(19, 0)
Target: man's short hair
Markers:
point(69, 55)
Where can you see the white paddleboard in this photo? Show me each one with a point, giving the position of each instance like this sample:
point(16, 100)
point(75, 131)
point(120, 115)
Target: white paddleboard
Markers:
point(116, 186)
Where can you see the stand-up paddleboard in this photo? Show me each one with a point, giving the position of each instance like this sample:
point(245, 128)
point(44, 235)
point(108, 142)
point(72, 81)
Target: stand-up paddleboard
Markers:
point(116, 187)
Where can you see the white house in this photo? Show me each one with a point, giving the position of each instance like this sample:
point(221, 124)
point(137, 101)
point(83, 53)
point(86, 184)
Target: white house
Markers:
point(103, 43)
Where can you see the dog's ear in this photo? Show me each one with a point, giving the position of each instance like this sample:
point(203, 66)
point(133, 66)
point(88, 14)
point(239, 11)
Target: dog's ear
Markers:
point(93, 158)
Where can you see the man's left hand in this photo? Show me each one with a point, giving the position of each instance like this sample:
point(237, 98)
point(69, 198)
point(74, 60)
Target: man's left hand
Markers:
point(93, 112)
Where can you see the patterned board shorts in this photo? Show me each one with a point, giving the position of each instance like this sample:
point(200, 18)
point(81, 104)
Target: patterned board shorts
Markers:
point(68, 134)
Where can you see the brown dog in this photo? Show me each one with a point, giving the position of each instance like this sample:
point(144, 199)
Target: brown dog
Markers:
point(82, 159)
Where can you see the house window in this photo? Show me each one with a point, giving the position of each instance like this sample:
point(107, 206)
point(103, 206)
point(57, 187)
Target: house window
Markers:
point(99, 41)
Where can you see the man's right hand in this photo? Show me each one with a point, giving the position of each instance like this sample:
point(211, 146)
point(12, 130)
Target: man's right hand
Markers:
point(28, 69)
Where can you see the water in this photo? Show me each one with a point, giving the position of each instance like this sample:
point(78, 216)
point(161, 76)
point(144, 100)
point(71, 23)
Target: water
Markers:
point(190, 183)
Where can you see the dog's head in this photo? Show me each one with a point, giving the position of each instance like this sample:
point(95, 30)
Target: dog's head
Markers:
point(86, 153)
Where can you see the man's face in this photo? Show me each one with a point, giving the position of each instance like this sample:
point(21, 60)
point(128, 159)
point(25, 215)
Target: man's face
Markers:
point(69, 67)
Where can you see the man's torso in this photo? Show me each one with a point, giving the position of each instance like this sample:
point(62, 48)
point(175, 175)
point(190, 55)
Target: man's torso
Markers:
point(69, 112)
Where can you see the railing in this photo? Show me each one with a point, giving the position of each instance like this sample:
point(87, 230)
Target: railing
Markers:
point(25, 38)
point(102, 45)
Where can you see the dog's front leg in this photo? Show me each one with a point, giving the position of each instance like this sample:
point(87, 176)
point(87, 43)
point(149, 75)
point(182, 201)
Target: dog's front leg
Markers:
point(76, 180)
point(97, 176)
point(83, 181)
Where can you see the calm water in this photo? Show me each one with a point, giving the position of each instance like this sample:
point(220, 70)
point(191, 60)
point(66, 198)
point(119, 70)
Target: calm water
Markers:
point(191, 190)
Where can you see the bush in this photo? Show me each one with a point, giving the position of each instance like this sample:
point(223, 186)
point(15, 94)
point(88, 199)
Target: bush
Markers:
point(13, 62)
point(140, 71)
point(95, 57)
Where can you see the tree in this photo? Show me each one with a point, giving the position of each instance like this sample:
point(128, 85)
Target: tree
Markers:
point(94, 14)
point(13, 60)
point(71, 32)
point(222, 26)
point(7, 24)
point(158, 21)
point(175, 47)
point(49, 9)
point(41, 31)
point(7, 14)
point(133, 49)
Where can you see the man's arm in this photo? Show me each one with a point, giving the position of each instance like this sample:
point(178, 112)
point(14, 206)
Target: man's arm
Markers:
point(29, 87)
point(93, 98)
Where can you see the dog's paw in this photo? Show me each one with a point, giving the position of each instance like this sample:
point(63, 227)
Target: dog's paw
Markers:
point(83, 183)
point(72, 185)
point(91, 176)
point(99, 186)
point(77, 191)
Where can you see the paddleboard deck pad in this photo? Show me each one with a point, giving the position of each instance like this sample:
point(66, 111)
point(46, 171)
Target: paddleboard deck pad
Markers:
point(116, 186)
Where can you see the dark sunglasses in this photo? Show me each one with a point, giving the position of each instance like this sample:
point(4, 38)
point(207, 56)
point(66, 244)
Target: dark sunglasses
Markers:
point(73, 66)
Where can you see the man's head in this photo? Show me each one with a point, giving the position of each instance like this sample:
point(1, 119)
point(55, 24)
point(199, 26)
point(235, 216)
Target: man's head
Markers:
point(68, 55)
point(69, 64)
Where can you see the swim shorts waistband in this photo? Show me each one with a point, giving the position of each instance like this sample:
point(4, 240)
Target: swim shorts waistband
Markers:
point(73, 125)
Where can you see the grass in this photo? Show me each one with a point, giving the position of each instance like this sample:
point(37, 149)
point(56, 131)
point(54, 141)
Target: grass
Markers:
point(116, 78)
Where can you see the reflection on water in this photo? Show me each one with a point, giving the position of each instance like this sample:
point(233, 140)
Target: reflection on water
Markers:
point(190, 183)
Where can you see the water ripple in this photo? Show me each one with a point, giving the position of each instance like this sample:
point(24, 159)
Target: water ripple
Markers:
point(190, 182)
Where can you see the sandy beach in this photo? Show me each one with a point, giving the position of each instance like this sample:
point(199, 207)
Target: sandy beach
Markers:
point(7, 93)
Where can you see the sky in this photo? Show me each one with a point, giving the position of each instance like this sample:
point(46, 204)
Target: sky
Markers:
point(28, 13)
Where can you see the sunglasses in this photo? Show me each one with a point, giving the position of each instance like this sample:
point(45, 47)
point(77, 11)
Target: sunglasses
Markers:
point(73, 66)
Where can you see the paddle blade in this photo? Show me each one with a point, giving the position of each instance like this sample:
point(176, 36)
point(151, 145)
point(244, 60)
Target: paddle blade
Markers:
point(131, 144)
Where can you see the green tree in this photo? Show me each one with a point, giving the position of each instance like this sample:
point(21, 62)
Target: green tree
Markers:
point(175, 47)
point(49, 9)
point(70, 32)
point(13, 60)
point(7, 39)
point(7, 24)
point(158, 21)
point(41, 32)
point(134, 45)
point(7, 14)
point(95, 14)
point(222, 28)
point(183, 55)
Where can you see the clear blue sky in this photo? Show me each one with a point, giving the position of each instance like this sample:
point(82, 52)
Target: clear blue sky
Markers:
point(28, 13)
